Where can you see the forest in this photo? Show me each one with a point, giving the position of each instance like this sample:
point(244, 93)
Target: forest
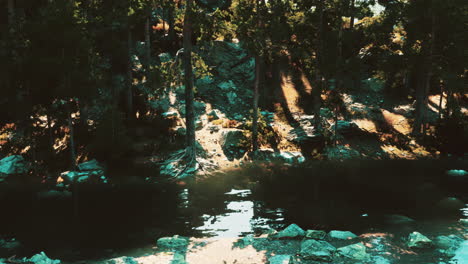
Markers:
point(234, 131)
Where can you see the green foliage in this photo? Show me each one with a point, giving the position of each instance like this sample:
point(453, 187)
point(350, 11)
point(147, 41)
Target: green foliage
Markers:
point(266, 133)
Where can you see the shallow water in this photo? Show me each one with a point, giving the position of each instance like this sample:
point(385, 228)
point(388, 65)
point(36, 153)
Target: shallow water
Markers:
point(128, 219)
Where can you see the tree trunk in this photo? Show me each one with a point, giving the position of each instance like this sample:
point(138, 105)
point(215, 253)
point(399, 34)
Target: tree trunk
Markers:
point(130, 113)
point(11, 12)
point(148, 45)
point(318, 77)
point(255, 104)
point(188, 79)
point(72, 136)
point(172, 33)
point(49, 131)
point(351, 19)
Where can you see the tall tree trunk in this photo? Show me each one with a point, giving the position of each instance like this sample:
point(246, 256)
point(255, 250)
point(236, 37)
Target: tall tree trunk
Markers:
point(318, 76)
point(440, 99)
point(351, 19)
point(188, 79)
point(130, 113)
point(172, 33)
point(255, 104)
point(11, 12)
point(147, 45)
point(72, 136)
point(49, 131)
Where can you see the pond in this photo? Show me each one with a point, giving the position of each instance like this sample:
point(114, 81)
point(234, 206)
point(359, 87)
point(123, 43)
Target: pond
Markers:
point(128, 218)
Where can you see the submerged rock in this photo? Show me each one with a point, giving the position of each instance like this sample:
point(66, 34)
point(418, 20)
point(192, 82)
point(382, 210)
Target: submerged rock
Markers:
point(450, 204)
point(315, 234)
point(448, 245)
point(280, 259)
point(341, 235)
point(92, 165)
point(123, 260)
point(395, 219)
point(417, 240)
point(292, 231)
point(317, 250)
point(172, 243)
point(355, 252)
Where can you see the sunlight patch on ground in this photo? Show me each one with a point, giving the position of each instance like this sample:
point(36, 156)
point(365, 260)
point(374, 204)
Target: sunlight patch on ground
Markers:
point(222, 251)
point(397, 121)
point(366, 124)
point(161, 258)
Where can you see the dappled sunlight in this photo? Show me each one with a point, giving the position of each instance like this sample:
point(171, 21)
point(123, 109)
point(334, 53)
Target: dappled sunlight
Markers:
point(222, 251)
point(399, 122)
point(366, 125)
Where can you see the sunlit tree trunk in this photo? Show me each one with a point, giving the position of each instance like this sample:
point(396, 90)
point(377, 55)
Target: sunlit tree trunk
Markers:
point(188, 79)
point(255, 105)
point(351, 19)
point(72, 135)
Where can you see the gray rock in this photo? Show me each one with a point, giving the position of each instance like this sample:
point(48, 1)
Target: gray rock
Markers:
point(355, 252)
point(42, 258)
point(417, 240)
point(280, 259)
point(380, 260)
point(340, 235)
point(213, 115)
point(341, 153)
point(231, 142)
point(317, 250)
point(315, 234)
point(304, 135)
point(169, 114)
point(448, 245)
point(92, 165)
point(457, 173)
point(123, 260)
point(172, 243)
point(245, 241)
point(292, 231)
point(345, 128)
point(291, 157)
point(14, 164)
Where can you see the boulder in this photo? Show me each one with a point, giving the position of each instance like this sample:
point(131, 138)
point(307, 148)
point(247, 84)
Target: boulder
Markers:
point(354, 252)
point(317, 250)
point(41, 258)
point(69, 177)
point(172, 243)
point(417, 240)
point(14, 164)
point(315, 234)
point(245, 241)
point(340, 235)
point(92, 165)
point(231, 141)
point(291, 157)
point(292, 231)
point(169, 114)
point(122, 260)
point(457, 173)
point(280, 259)
point(448, 245)
point(345, 128)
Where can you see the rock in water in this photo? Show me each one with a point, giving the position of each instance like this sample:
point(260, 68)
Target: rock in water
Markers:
point(355, 252)
point(292, 231)
point(14, 164)
point(341, 235)
point(317, 250)
point(280, 259)
point(448, 245)
point(315, 234)
point(92, 165)
point(450, 204)
point(417, 240)
point(172, 243)
point(123, 260)
point(42, 258)
point(457, 173)
point(291, 157)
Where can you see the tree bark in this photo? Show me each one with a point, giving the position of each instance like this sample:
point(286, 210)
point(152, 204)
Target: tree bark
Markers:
point(72, 136)
point(351, 19)
point(172, 33)
point(129, 76)
point(255, 104)
point(148, 44)
point(188, 79)
point(318, 76)
point(11, 12)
